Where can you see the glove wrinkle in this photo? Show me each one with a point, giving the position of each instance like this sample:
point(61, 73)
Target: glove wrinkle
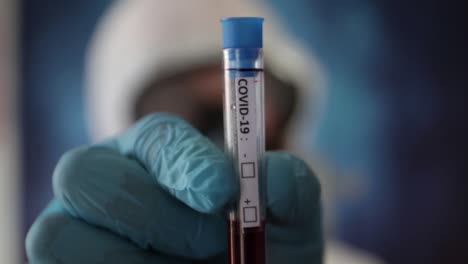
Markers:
point(183, 162)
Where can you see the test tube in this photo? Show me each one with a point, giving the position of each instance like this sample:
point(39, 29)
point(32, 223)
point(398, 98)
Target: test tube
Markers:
point(244, 135)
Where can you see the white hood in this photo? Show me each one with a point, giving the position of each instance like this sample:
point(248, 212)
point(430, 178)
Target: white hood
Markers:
point(137, 40)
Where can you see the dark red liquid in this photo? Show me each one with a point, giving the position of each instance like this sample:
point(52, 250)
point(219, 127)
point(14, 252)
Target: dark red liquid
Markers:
point(253, 248)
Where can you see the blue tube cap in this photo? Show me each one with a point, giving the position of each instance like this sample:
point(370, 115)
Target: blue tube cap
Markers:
point(242, 32)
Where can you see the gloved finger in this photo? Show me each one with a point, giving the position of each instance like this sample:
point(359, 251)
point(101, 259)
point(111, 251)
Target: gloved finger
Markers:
point(293, 191)
point(57, 237)
point(184, 162)
point(294, 230)
point(106, 189)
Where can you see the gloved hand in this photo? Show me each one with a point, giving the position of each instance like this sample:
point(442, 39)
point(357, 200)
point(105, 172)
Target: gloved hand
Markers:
point(157, 194)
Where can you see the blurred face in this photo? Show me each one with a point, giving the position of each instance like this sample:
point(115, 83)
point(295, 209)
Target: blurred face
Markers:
point(197, 96)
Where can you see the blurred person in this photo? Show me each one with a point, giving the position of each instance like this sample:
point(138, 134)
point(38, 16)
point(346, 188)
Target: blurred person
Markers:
point(392, 120)
point(145, 59)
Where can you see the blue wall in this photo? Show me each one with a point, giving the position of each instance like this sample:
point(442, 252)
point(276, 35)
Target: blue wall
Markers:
point(54, 38)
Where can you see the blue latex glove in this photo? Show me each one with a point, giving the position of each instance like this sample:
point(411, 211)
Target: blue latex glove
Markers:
point(157, 194)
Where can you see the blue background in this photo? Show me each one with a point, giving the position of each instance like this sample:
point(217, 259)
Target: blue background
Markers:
point(395, 114)
point(54, 38)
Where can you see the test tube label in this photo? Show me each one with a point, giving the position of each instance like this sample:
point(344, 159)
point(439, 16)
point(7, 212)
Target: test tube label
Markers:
point(247, 147)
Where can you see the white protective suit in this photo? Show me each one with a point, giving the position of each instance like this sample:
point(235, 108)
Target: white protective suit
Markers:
point(137, 40)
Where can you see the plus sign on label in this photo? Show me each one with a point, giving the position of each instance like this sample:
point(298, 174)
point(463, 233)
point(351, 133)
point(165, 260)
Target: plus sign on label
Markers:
point(247, 147)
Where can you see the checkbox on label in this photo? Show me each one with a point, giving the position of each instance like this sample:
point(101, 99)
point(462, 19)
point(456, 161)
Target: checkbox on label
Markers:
point(250, 214)
point(248, 170)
